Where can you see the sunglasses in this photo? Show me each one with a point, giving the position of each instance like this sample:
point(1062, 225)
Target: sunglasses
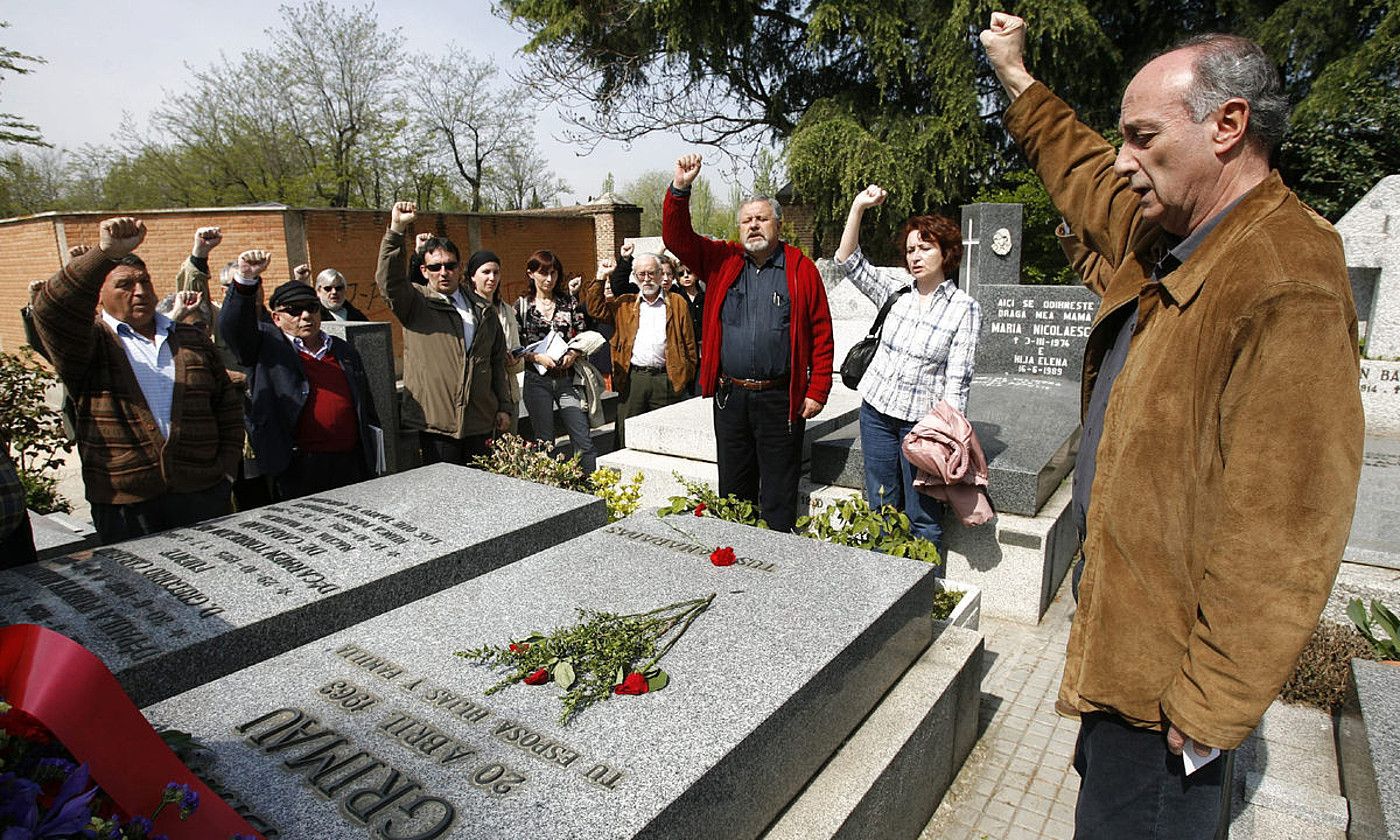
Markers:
point(435, 267)
point(296, 309)
point(332, 288)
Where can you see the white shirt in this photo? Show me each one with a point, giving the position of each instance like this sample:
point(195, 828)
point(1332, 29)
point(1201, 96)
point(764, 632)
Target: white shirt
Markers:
point(317, 354)
point(153, 362)
point(459, 301)
point(649, 348)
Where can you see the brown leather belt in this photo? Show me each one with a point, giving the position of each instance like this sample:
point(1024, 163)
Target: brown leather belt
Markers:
point(756, 384)
point(656, 369)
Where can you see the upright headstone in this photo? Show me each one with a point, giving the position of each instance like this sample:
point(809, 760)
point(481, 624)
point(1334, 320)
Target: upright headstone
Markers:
point(168, 612)
point(374, 342)
point(379, 730)
point(1370, 233)
point(991, 239)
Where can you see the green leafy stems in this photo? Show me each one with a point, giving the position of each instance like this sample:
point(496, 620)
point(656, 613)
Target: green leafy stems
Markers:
point(1386, 642)
point(597, 657)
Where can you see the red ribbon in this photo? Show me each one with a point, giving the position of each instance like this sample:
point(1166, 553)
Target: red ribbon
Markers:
point(66, 688)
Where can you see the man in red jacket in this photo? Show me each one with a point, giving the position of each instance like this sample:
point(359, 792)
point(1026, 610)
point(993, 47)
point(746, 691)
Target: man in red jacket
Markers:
point(766, 349)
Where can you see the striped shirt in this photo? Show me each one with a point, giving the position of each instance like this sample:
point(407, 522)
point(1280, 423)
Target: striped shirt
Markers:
point(153, 364)
point(925, 353)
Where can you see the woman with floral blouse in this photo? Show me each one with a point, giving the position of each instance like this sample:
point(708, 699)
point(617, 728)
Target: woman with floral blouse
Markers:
point(544, 308)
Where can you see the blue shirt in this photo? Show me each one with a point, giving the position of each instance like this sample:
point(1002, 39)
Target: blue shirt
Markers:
point(756, 315)
point(153, 362)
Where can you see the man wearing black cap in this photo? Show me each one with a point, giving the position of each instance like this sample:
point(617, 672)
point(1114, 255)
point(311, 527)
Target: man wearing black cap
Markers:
point(309, 409)
point(454, 356)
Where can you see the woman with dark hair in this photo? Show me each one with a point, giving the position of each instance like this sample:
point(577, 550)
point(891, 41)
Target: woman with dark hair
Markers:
point(549, 381)
point(925, 352)
point(688, 285)
point(484, 272)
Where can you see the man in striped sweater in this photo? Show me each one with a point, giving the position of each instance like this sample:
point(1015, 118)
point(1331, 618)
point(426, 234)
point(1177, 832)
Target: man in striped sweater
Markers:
point(159, 423)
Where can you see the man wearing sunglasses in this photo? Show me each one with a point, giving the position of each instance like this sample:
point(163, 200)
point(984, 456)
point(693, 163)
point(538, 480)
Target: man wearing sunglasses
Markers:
point(330, 288)
point(456, 395)
point(309, 407)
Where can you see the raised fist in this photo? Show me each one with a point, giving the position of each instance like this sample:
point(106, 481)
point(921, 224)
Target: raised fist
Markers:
point(871, 196)
point(420, 242)
point(302, 274)
point(687, 169)
point(402, 216)
point(206, 239)
point(627, 249)
point(120, 236)
point(184, 302)
point(251, 264)
point(78, 250)
point(605, 267)
point(1004, 39)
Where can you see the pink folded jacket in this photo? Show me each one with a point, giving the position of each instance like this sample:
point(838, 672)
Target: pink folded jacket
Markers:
point(943, 447)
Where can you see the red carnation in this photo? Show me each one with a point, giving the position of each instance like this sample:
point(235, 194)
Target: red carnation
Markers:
point(520, 648)
point(539, 677)
point(634, 683)
point(723, 556)
point(700, 509)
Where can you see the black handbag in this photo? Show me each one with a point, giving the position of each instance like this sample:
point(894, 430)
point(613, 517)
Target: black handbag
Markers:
point(858, 357)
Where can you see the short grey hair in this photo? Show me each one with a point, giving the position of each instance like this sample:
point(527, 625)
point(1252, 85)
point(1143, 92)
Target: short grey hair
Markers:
point(754, 199)
point(646, 256)
point(1232, 67)
point(328, 275)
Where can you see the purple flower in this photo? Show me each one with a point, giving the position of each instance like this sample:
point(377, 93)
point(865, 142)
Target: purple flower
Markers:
point(139, 825)
point(188, 802)
point(19, 798)
point(71, 809)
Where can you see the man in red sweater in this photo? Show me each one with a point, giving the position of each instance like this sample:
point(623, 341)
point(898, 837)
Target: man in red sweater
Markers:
point(310, 413)
point(766, 348)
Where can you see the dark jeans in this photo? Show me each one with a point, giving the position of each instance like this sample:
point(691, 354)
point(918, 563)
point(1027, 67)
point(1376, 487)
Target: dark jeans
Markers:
point(541, 394)
point(442, 449)
point(1131, 786)
point(889, 477)
point(644, 391)
point(317, 472)
point(115, 523)
point(759, 452)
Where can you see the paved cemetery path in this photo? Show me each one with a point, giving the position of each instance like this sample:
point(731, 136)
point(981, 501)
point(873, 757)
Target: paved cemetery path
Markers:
point(1017, 783)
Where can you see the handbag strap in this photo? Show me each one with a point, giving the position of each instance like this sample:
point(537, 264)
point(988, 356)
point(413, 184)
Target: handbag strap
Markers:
point(885, 310)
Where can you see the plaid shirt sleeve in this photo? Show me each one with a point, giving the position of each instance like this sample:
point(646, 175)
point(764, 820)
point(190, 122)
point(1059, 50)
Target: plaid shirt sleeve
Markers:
point(12, 510)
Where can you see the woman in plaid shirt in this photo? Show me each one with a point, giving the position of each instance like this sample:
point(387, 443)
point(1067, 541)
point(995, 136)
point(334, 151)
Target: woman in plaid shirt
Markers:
point(925, 353)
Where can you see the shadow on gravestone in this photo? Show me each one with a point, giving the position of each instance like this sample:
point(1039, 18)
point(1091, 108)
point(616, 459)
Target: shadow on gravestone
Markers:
point(171, 611)
point(801, 641)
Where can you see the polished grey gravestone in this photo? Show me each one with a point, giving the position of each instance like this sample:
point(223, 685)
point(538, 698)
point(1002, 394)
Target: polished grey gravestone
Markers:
point(379, 730)
point(1369, 751)
point(991, 240)
point(57, 534)
point(1374, 539)
point(168, 612)
point(373, 340)
point(1035, 330)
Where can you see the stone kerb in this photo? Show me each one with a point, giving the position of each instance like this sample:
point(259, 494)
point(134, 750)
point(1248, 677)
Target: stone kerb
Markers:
point(168, 612)
point(801, 642)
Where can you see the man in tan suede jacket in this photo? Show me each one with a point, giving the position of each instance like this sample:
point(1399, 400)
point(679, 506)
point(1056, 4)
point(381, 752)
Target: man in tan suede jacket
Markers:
point(1222, 423)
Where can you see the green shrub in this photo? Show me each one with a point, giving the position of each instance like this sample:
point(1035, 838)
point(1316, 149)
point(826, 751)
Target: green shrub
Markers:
point(623, 498)
point(852, 521)
point(512, 455)
point(945, 601)
point(700, 497)
point(1385, 641)
point(31, 430)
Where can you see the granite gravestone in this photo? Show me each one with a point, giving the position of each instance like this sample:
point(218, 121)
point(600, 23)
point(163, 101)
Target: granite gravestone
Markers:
point(379, 730)
point(373, 340)
point(991, 240)
point(1373, 540)
point(1368, 751)
point(169, 612)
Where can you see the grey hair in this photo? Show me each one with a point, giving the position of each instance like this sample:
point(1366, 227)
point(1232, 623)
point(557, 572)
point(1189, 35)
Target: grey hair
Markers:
point(329, 275)
point(1232, 67)
point(648, 255)
point(754, 199)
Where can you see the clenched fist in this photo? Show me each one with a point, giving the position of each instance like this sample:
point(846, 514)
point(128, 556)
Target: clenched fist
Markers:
point(251, 264)
point(871, 196)
point(206, 239)
point(302, 274)
point(420, 242)
point(120, 236)
point(627, 249)
point(402, 216)
point(78, 250)
point(687, 170)
point(1004, 39)
point(605, 268)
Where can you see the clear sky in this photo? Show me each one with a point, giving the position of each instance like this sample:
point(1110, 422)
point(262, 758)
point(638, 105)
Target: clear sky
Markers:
point(106, 59)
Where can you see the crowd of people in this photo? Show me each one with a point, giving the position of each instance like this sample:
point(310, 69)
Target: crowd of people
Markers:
point(1225, 345)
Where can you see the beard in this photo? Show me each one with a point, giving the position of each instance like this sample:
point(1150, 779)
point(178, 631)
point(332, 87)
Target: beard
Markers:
point(757, 245)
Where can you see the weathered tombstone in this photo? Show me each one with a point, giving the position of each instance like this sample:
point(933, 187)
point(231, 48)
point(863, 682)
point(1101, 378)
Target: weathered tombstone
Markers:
point(168, 612)
point(1370, 233)
point(1374, 540)
point(1368, 751)
point(379, 730)
point(991, 239)
point(374, 342)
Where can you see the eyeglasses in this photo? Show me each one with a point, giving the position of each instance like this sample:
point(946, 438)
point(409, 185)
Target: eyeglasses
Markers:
point(435, 267)
point(645, 273)
point(296, 309)
point(332, 288)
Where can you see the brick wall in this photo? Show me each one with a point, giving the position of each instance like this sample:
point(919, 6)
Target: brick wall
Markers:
point(33, 247)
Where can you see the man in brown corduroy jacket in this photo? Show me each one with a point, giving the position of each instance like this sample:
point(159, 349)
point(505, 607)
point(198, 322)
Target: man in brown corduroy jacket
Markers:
point(1223, 430)
point(160, 425)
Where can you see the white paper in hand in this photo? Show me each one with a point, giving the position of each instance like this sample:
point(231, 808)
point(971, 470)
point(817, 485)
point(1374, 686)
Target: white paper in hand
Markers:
point(1194, 761)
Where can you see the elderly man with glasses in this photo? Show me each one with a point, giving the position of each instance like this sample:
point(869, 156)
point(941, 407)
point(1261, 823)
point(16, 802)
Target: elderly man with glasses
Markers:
point(454, 368)
point(310, 413)
point(330, 288)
